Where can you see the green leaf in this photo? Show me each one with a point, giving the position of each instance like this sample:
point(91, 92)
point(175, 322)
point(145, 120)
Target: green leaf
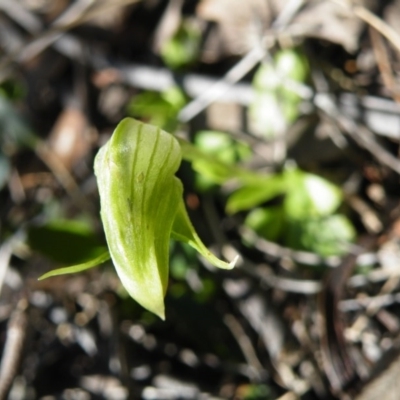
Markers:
point(292, 64)
point(183, 48)
point(275, 102)
point(325, 235)
point(215, 169)
point(64, 241)
point(222, 147)
point(159, 109)
point(310, 195)
point(141, 202)
point(256, 193)
point(268, 222)
point(78, 268)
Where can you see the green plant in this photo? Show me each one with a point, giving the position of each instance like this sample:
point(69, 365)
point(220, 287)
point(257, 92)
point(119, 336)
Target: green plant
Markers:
point(306, 217)
point(160, 109)
point(276, 102)
point(293, 207)
point(141, 208)
point(182, 49)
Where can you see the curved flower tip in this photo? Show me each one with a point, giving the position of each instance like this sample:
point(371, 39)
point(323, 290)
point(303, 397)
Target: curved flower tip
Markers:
point(233, 262)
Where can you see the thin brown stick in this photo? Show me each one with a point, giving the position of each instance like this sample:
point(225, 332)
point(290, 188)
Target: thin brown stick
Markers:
point(371, 19)
point(12, 348)
point(383, 62)
point(244, 343)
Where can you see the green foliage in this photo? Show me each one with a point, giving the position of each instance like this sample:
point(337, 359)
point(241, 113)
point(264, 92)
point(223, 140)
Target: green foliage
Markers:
point(160, 109)
point(14, 133)
point(325, 235)
point(182, 49)
point(183, 262)
point(66, 242)
point(142, 207)
point(256, 392)
point(309, 195)
point(79, 267)
point(306, 217)
point(183, 258)
point(269, 222)
point(5, 169)
point(12, 90)
point(221, 147)
point(256, 192)
point(308, 201)
point(276, 103)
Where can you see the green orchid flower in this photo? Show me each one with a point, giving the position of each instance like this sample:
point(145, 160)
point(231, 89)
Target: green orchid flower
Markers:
point(141, 209)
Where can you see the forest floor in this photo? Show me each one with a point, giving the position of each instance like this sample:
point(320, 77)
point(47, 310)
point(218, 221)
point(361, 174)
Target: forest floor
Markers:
point(311, 311)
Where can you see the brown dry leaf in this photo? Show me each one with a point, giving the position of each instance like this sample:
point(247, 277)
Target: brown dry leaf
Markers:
point(391, 15)
point(225, 117)
point(386, 386)
point(332, 22)
point(239, 24)
point(69, 139)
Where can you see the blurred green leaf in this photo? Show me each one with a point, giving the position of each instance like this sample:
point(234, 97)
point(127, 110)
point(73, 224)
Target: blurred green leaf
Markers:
point(216, 170)
point(78, 268)
point(14, 131)
point(268, 222)
point(207, 291)
point(160, 109)
point(265, 115)
point(5, 169)
point(276, 102)
point(183, 48)
point(223, 148)
point(291, 63)
point(12, 89)
point(222, 145)
point(183, 258)
point(326, 236)
point(306, 218)
point(257, 192)
point(255, 392)
point(309, 195)
point(64, 241)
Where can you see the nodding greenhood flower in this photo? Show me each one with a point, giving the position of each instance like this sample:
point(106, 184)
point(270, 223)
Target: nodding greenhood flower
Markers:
point(141, 208)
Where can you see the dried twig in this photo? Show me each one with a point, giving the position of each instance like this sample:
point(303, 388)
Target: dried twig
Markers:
point(78, 13)
point(338, 363)
point(384, 65)
point(362, 135)
point(12, 348)
point(238, 71)
point(245, 344)
point(370, 18)
point(234, 75)
point(281, 252)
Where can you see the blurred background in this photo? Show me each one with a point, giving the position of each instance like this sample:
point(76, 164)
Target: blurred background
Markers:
point(291, 109)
